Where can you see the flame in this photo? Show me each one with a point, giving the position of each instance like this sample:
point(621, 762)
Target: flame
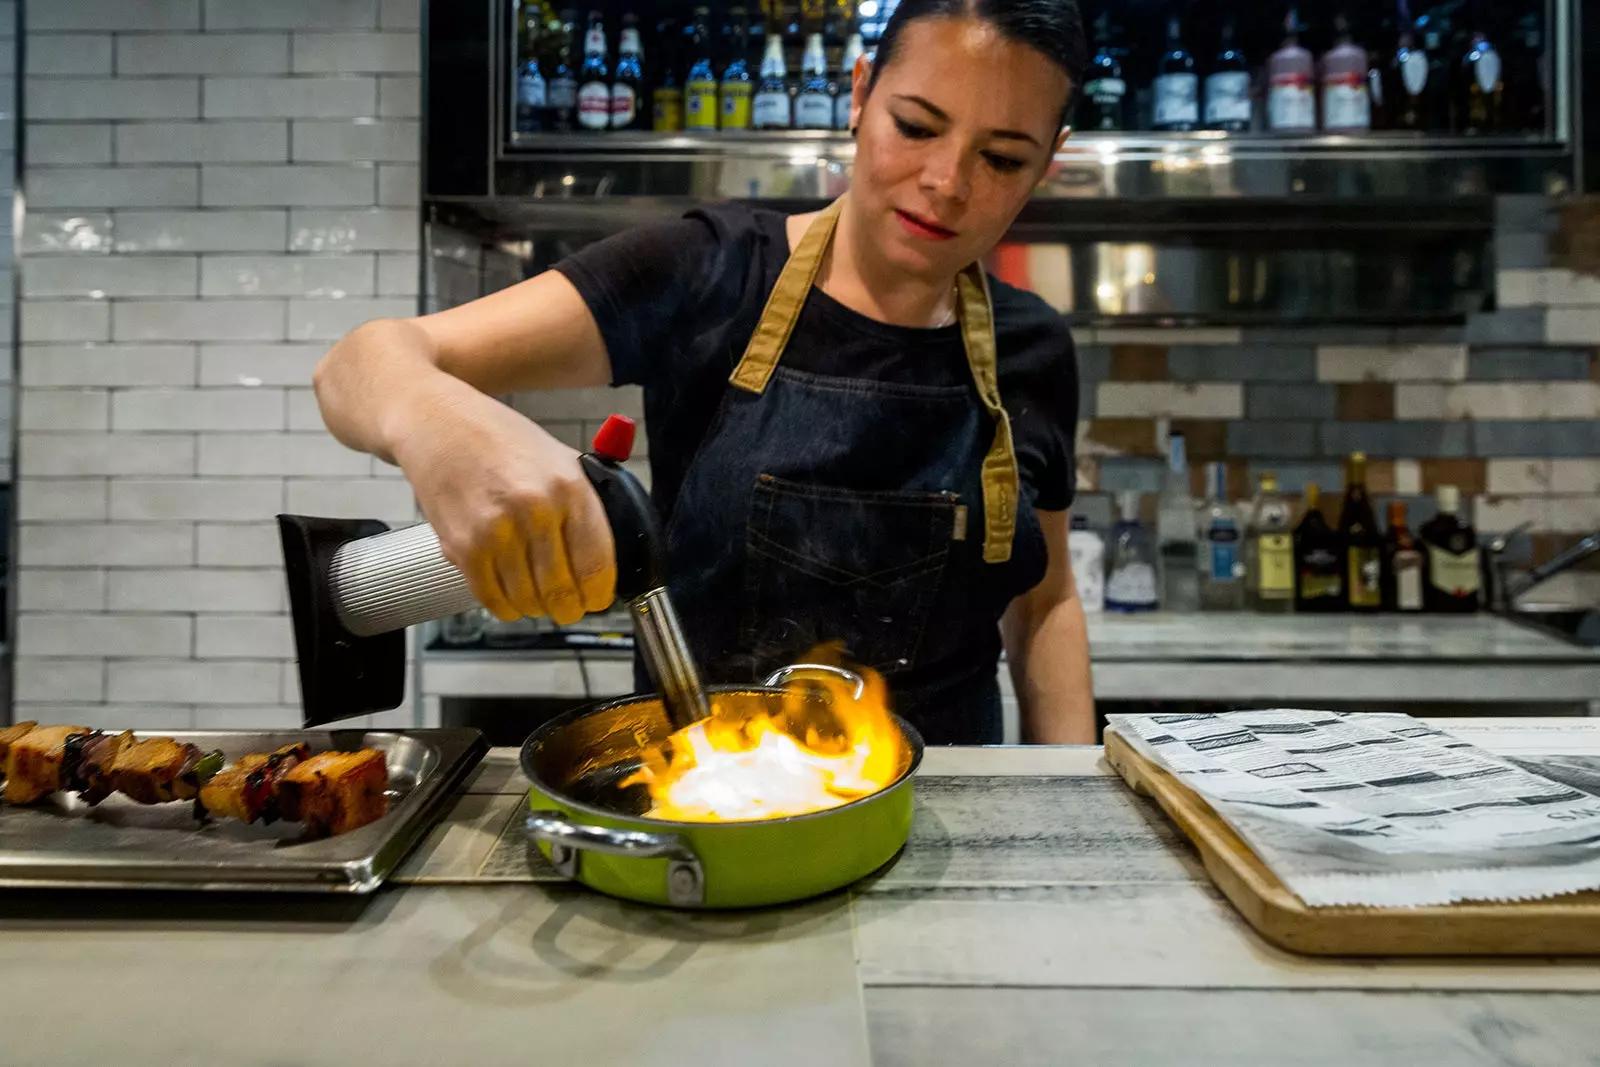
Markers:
point(817, 747)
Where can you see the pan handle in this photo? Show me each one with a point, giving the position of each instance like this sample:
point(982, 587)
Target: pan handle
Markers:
point(783, 674)
point(686, 878)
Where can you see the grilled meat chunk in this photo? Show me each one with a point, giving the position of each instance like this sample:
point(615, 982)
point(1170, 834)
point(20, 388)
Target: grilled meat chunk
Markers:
point(248, 790)
point(336, 792)
point(9, 734)
point(34, 761)
point(158, 770)
point(97, 754)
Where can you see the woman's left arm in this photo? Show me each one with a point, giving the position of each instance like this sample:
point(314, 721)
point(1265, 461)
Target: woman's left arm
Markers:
point(1047, 645)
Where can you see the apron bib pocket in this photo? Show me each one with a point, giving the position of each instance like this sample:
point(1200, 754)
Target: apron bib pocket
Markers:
point(860, 567)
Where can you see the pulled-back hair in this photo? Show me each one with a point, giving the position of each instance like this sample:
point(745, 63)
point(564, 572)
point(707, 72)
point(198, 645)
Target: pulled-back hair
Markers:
point(1053, 28)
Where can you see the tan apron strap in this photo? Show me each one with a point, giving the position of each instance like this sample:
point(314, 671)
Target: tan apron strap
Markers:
point(783, 306)
point(1000, 479)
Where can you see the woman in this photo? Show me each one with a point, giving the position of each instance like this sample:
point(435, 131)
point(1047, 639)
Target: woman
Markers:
point(829, 448)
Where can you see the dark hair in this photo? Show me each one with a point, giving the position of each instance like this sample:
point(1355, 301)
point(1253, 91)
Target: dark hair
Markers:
point(1053, 28)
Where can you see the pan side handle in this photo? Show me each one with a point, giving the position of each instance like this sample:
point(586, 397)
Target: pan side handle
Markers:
point(568, 840)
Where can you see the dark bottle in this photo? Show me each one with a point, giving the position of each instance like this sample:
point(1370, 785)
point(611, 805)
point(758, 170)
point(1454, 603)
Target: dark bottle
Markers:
point(1318, 560)
point(562, 89)
point(1482, 87)
point(1526, 75)
point(627, 90)
point(1105, 94)
point(1435, 30)
point(700, 85)
point(738, 87)
point(1402, 564)
point(594, 81)
point(530, 92)
point(1177, 86)
point(1451, 578)
point(1363, 544)
point(1228, 98)
point(1405, 81)
point(666, 98)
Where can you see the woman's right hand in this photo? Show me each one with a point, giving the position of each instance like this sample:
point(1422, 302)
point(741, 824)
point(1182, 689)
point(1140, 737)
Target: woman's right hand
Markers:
point(512, 507)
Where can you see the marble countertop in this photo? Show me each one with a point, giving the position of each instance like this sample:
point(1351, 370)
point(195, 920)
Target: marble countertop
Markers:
point(1040, 914)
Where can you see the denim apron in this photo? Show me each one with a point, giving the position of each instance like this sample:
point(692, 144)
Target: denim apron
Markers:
point(880, 515)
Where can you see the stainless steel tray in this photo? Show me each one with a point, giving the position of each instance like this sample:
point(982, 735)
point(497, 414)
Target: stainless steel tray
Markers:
point(124, 845)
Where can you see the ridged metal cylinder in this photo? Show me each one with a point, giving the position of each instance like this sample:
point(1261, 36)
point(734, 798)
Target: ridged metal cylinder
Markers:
point(395, 579)
point(666, 655)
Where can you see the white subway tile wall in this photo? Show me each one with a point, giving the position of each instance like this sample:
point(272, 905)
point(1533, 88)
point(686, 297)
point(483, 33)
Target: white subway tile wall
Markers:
point(218, 189)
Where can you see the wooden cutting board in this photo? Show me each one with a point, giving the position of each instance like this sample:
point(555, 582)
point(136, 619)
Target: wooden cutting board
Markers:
point(1560, 926)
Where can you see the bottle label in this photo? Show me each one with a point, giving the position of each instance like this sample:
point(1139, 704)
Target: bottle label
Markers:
point(1223, 542)
point(841, 108)
point(1177, 99)
point(1454, 574)
point(1488, 71)
point(531, 91)
point(563, 93)
point(701, 110)
point(1132, 585)
point(667, 105)
point(1408, 581)
point(624, 106)
point(594, 106)
point(1364, 577)
point(594, 42)
point(1275, 554)
point(814, 111)
point(1228, 97)
point(736, 105)
point(630, 45)
point(1345, 104)
point(1088, 553)
point(1320, 576)
point(770, 111)
point(1109, 91)
point(1290, 103)
point(1414, 72)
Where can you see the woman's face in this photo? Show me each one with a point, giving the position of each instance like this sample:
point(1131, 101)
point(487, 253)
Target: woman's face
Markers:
point(950, 143)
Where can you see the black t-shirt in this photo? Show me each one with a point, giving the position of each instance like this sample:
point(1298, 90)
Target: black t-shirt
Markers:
point(676, 303)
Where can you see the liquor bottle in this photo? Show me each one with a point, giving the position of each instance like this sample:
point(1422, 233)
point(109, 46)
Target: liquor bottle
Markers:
point(738, 87)
point(1176, 533)
point(1405, 82)
point(1177, 86)
point(1291, 101)
point(842, 104)
point(771, 109)
point(1402, 564)
point(813, 108)
point(530, 92)
point(1131, 564)
point(1450, 575)
point(1483, 87)
point(1527, 77)
point(1228, 105)
point(813, 14)
point(666, 99)
point(1269, 552)
point(628, 88)
point(594, 81)
point(1318, 560)
point(1434, 28)
point(700, 85)
point(1346, 103)
point(1104, 102)
point(1363, 544)
point(562, 88)
point(1222, 567)
point(1087, 550)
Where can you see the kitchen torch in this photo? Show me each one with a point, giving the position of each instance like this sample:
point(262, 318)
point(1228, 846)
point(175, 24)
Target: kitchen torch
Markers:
point(356, 584)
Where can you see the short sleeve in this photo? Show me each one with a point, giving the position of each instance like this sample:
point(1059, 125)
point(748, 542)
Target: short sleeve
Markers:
point(641, 286)
point(1039, 385)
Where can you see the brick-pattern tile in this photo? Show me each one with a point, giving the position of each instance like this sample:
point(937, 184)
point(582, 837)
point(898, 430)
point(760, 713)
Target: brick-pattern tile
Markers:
point(1243, 363)
point(1366, 402)
point(1138, 363)
point(1204, 439)
point(1136, 437)
point(1468, 475)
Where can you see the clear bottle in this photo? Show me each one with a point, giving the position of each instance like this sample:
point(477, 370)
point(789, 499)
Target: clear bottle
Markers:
point(1104, 101)
point(1087, 550)
point(1131, 573)
point(700, 85)
point(1346, 98)
point(1176, 533)
point(771, 109)
point(1177, 86)
point(813, 108)
point(1269, 552)
point(738, 87)
point(529, 90)
point(594, 81)
point(853, 50)
point(1291, 97)
point(1222, 566)
point(1228, 104)
point(628, 89)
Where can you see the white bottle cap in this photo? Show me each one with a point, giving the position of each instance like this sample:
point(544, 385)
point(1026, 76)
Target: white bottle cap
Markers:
point(1449, 498)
